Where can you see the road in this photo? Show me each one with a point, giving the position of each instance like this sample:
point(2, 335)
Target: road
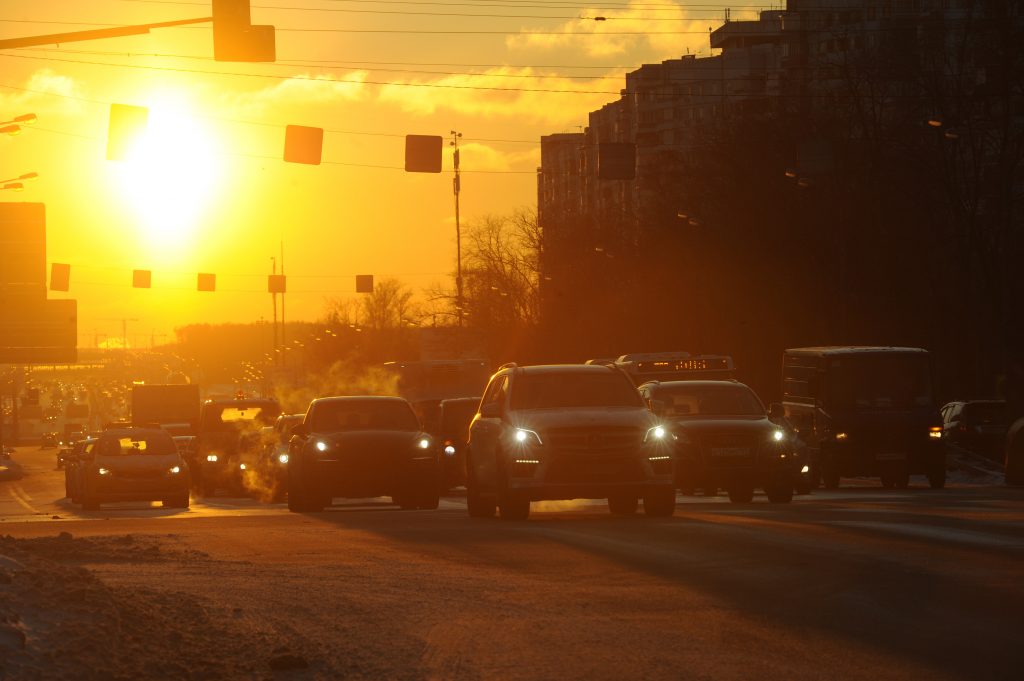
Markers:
point(857, 583)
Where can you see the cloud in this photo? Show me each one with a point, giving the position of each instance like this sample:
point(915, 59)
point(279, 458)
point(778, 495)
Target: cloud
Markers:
point(44, 91)
point(668, 31)
point(483, 157)
point(304, 90)
point(506, 92)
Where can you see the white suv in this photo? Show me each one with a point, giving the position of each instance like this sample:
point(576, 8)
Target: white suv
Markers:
point(567, 431)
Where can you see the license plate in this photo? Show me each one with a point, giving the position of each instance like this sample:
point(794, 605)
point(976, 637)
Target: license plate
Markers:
point(730, 451)
point(890, 456)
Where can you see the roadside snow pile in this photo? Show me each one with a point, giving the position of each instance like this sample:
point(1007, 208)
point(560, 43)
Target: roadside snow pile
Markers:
point(59, 621)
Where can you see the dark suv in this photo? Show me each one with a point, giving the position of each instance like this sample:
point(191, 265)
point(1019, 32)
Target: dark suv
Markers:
point(568, 431)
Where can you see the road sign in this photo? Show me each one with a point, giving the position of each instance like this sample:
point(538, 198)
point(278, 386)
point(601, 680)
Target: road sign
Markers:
point(364, 283)
point(423, 153)
point(303, 144)
point(23, 249)
point(207, 282)
point(39, 332)
point(142, 278)
point(60, 276)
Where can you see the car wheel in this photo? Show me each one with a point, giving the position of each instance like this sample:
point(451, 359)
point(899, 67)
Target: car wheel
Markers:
point(478, 505)
point(779, 493)
point(180, 501)
point(741, 494)
point(623, 505)
point(660, 503)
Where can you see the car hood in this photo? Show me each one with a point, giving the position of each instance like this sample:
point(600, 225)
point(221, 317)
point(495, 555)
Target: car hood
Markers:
point(376, 439)
point(747, 425)
point(139, 462)
point(607, 417)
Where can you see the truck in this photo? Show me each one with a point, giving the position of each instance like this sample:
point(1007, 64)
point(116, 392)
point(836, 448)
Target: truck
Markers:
point(173, 407)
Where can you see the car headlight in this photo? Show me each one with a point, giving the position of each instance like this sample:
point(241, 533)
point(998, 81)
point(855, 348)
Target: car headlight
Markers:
point(525, 436)
point(658, 434)
point(449, 450)
point(241, 466)
point(423, 443)
point(321, 446)
point(174, 470)
point(778, 435)
point(841, 436)
point(103, 471)
point(282, 458)
point(212, 458)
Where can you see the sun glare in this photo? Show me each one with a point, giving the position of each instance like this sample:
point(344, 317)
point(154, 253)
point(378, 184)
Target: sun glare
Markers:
point(170, 175)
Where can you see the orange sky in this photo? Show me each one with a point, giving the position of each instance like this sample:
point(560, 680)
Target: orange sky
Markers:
point(219, 199)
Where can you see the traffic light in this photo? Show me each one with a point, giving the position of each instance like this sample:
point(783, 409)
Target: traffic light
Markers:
point(364, 283)
point(423, 153)
point(127, 124)
point(303, 145)
point(207, 282)
point(235, 38)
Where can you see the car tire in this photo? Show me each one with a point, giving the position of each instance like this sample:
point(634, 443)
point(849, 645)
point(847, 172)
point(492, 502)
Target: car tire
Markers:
point(180, 501)
point(779, 493)
point(623, 504)
point(477, 505)
point(741, 494)
point(660, 503)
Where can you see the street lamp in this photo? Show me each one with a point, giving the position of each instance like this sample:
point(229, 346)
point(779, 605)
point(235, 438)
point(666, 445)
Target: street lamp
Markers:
point(13, 126)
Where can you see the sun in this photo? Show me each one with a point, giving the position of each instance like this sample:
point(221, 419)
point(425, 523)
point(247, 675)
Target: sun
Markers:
point(171, 175)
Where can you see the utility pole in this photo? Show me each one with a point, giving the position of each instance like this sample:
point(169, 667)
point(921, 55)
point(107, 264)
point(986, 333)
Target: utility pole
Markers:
point(456, 185)
point(283, 340)
point(273, 270)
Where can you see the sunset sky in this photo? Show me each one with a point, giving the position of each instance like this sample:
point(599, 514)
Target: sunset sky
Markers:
point(211, 193)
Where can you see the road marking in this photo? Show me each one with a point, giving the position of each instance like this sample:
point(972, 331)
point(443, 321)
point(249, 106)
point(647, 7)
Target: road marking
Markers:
point(18, 494)
point(945, 534)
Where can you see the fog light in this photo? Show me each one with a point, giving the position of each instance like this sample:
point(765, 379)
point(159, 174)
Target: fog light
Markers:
point(174, 470)
point(283, 458)
point(103, 471)
point(449, 450)
point(212, 458)
point(241, 466)
point(658, 458)
point(805, 469)
point(841, 436)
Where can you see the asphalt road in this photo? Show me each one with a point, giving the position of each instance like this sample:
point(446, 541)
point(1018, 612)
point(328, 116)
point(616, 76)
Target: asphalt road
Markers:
point(859, 583)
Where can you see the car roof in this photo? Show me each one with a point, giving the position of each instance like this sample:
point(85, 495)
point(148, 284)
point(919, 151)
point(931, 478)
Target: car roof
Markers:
point(564, 369)
point(460, 400)
point(133, 432)
point(361, 398)
point(829, 350)
point(699, 383)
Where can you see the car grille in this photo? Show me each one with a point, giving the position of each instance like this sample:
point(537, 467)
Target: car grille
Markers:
point(600, 439)
point(137, 474)
point(584, 468)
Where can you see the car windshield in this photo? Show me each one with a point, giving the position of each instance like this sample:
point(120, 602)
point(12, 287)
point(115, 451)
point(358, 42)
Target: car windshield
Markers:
point(557, 390)
point(729, 399)
point(456, 416)
point(896, 381)
point(987, 413)
point(131, 445)
point(349, 415)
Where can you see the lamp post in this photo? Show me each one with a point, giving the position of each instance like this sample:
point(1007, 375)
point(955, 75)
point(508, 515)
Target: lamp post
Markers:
point(17, 183)
point(456, 185)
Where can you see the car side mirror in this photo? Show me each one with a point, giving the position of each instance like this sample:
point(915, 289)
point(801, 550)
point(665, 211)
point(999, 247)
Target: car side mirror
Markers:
point(490, 410)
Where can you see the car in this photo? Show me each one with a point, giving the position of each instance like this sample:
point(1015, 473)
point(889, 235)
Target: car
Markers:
point(361, 447)
point(271, 471)
point(453, 430)
point(725, 439)
point(229, 442)
point(566, 431)
point(77, 456)
point(131, 464)
point(9, 468)
point(49, 440)
point(978, 426)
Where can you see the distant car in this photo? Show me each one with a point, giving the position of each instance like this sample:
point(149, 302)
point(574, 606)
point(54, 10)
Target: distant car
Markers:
point(229, 442)
point(362, 447)
point(77, 455)
point(566, 431)
point(49, 441)
point(130, 464)
point(725, 438)
point(977, 425)
point(271, 469)
point(453, 431)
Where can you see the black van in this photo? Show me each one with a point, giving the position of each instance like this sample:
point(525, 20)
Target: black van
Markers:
point(865, 411)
